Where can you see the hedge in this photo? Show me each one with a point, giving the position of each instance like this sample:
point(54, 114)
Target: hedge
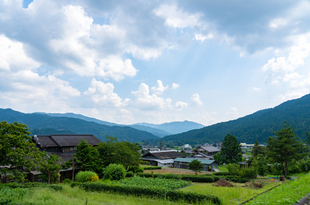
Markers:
point(152, 168)
point(130, 174)
point(151, 192)
point(15, 185)
point(222, 173)
point(192, 178)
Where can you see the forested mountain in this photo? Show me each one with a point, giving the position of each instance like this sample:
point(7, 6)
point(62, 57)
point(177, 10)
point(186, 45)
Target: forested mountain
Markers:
point(157, 132)
point(40, 122)
point(174, 127)
point(259, 125)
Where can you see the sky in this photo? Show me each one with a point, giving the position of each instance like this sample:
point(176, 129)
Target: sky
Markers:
point(153, 61)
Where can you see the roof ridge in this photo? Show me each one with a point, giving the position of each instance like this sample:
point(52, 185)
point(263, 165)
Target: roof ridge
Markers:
point(55, 140)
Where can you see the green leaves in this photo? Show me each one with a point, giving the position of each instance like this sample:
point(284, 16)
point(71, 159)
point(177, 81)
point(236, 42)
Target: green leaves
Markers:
point(285, 147)
point(195, 165)
point(17, 151)
point(230, 149)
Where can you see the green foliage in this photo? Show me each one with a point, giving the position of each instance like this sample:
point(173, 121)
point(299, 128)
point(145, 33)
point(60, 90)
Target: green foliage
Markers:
point(195, 165)
point(17, 151)
point(114, 172)
point(230, 149)
point(67, 181)
point(135, 169)
point(244, 172)
point(130, 174)
point(285, 147)
point(55, 187)
point(74, 184)
point(152, 168)
point(87, 157)
point(169, 184)
point(257, 149)
point(87, 176)
point(50, 167)
point(8, 195)
point(114, 152)
point(222, 173)
point(192, 178)
point(144, 162)
point(260, 164)
point(152, 192)
point(287, 193)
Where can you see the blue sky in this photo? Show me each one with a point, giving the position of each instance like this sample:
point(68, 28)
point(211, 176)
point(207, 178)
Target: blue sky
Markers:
point(153, 61)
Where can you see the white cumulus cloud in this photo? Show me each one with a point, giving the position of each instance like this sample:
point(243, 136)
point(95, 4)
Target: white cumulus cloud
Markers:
point(196, 99)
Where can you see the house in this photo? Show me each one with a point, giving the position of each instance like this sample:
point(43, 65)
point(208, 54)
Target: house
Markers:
point(62, 145)
point(205, 151)
point(208, 165)
point(162, 158)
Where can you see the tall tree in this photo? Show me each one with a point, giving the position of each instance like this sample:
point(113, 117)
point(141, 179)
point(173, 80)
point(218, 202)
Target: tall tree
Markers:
point(285, 147)
point(87, 158)
point(125, 153)
point(17, 151)
point(50, 167)
point(230, 149)
point(257, 149)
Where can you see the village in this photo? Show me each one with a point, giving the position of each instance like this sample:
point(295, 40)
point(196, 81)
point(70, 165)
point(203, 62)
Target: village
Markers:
point(186, 174)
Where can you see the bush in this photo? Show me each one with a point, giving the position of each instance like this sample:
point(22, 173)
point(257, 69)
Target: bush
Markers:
point(87, 176)
point(114, 172)
point(197, 178)
point(243, 172)
point(152, 168)
point(135, 169)
point(55, 187)
point(74, 184)
point(67, 181)
point(151, 192)
point(173, 176)
point(222, 173)
point(130, 174)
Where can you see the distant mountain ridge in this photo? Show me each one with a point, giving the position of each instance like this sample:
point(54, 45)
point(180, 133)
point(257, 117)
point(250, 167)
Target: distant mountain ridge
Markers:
point(42, 123)
point(174, 127)
point(259, 125)
point(159, 130)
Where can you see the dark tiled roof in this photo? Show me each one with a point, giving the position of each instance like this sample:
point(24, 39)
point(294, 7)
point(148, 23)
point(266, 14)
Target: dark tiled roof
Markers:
point(46, 141)
point(70, 140)
point(163, 155)
point(65, 140)
point(64, 156)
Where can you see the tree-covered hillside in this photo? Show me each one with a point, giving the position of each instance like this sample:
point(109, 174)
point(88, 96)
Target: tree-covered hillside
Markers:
point(43, 121)
point(259, 125)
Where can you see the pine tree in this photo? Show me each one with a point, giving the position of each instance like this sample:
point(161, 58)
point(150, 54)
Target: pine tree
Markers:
point(285, 147)
point(230, 149)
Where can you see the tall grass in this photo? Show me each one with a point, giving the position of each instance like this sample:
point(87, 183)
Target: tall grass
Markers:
point(76, 196)
point(229, 195)
point(288, 193)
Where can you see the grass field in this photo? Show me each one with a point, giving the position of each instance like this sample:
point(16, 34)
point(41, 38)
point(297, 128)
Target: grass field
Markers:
point(230, 195)
point(72, 196)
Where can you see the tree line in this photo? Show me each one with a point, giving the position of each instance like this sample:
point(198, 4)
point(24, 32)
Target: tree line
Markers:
point(20, 155)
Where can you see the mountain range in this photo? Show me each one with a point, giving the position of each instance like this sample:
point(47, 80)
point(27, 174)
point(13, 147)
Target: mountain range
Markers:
point(48, 123)
point(259, 125)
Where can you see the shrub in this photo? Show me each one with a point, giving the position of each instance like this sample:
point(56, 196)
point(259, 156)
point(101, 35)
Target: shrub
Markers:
point(173, 176)
point(197, 178)
point(74, 184)
point(130, 174)
point(87, 176)
point(152, 168)
point(135, 169)
point(244, 172)
point(151, 192)
point(222, 173)
point(67, 181)
point(114, 172)
point(55, 187)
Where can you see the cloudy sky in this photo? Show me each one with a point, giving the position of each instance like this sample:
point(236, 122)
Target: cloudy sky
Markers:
point(153, 61)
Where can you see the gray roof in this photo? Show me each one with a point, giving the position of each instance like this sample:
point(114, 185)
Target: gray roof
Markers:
point(163, 155)
point(203, 161)
point(65, 140)
point(209, 148)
